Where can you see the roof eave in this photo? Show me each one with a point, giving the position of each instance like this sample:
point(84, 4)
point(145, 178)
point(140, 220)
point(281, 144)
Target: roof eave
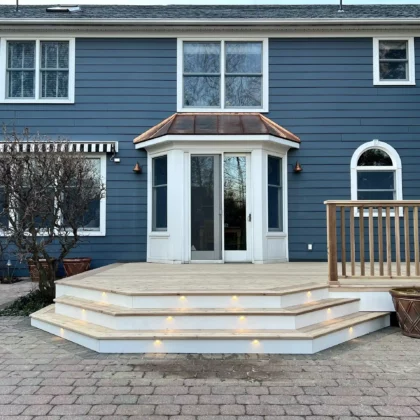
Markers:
point(203, 22)
point(171, 138)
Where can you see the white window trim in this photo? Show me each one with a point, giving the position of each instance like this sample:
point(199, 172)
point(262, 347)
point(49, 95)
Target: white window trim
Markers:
point(37, 99)
point(102, 203)
point(411, 63)
point(161, 232)
point(396, 166)
point(180, 76)
point(283, 175)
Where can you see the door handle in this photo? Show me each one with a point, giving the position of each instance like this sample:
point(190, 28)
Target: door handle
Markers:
point(249, 217)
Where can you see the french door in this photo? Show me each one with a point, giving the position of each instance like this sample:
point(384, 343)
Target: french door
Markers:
point(220, 211)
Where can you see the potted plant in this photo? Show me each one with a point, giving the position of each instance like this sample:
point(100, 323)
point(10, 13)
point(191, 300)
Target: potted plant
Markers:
point(407, 306)
point(36, 271)
point(74, 266)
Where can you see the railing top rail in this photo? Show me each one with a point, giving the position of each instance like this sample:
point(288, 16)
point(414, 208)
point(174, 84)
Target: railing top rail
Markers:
point(373, 203)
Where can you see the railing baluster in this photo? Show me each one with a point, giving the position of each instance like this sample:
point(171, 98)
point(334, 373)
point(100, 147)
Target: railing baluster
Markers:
point(352, 243)
point(416, 239)
point(343, 242)
point(407, 242)
point(362, 240)
point(380, 242)
point(397, 239)
point(371, 243)
point(388, 242)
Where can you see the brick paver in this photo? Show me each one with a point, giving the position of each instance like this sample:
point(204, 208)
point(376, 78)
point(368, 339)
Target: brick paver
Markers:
point(43, 377)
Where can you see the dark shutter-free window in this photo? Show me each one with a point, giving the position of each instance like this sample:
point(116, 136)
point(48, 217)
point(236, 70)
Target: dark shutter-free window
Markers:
point(275, 197)
point(375, 176)
point(160, 193)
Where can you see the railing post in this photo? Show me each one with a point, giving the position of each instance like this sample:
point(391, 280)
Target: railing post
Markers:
point(332, 242)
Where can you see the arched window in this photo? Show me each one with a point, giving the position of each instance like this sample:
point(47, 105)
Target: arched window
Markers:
point(376, 172)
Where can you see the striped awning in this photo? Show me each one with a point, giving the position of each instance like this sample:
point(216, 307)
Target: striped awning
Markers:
point(74, 146)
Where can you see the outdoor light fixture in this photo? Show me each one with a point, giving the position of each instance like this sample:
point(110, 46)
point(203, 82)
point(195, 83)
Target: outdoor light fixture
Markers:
point(297, 168)
point(137, 168)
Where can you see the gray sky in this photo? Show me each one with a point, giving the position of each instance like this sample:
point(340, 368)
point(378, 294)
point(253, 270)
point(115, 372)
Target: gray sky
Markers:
point(254, 2)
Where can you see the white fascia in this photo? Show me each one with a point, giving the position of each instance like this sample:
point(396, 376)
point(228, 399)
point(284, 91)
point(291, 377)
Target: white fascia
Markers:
point(164, 140)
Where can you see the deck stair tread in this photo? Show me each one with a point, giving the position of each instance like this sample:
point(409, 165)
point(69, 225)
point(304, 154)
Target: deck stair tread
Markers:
point(115, 310)
point(48, 315)
point(127, 290)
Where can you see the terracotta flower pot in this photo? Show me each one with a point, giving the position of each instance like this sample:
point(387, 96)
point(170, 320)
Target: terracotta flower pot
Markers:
point(74, 266)
point(33, 271)
point(407, 306)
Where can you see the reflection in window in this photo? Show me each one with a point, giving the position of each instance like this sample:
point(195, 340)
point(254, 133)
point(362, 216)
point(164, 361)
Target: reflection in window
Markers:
point(234, 171)
point(202, 74)
point(393, 60)
point(21, 69)
point(3, 216)
point(275, 199)
point(375, 176)
point(242, 74)
point(203, 203)
point(160, 193)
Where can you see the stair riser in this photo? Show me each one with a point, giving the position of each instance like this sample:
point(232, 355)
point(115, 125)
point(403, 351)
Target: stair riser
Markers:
point(203, 322)
point(194, 301)
point(264, 346)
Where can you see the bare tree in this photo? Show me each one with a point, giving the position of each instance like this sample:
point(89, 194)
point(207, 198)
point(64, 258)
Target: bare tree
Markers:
point(48, 189)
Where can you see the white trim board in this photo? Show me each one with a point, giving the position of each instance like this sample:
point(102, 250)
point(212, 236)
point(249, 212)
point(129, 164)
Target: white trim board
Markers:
point(215, 32)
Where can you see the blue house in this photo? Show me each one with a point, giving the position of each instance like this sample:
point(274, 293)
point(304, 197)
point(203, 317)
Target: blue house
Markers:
point(240, 121)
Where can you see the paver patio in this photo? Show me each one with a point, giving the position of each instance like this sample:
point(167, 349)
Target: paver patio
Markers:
point(43, 377)
point(10, 292)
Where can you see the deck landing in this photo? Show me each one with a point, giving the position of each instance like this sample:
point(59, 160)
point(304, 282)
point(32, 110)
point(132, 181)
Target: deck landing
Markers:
point(132, 278)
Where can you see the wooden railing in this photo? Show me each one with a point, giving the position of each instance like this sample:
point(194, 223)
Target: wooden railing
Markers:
point(376, 234)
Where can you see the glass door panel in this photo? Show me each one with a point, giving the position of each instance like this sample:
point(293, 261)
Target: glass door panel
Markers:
point(236, 215)
point(205, 207)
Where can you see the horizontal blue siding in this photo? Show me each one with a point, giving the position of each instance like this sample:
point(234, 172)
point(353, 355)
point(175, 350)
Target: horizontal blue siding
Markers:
point(322, 90)
point(123, 87)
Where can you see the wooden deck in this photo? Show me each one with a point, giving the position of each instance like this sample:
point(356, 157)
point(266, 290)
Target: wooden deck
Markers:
point(131, 278)
point(147, 277)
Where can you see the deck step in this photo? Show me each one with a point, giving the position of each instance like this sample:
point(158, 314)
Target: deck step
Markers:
point(306, 340)
point(122, 318)
point(125, 297)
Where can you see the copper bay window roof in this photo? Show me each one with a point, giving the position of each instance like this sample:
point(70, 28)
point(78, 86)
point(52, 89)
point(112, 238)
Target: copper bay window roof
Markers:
point(217, 123)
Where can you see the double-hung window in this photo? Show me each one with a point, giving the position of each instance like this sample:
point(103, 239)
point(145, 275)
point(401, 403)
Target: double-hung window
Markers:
point(37, 70)
point(227, 75)
point(160, 193)
point(376, 172)
point(394, 61)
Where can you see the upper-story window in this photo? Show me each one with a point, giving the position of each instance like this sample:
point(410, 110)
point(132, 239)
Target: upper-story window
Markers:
point(394, 61)
point(226, 75)
point(34, 70)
